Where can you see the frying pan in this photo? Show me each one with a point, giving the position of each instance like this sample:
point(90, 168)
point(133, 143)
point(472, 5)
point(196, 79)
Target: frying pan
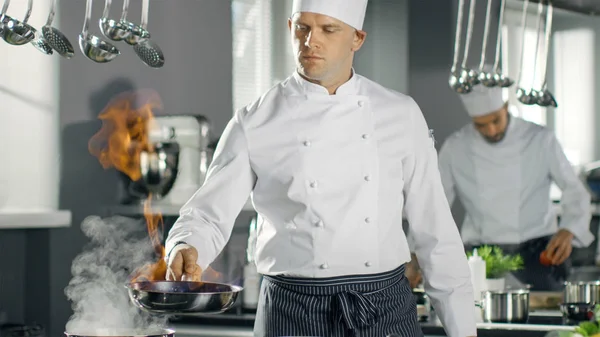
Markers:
point(124, 333)
point(182, 297)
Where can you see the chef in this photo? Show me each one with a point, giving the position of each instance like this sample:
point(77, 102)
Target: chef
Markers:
point(331, 160)
point(501, 168)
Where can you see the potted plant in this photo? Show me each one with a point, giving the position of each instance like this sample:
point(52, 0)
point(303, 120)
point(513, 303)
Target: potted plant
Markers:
point(497, 264)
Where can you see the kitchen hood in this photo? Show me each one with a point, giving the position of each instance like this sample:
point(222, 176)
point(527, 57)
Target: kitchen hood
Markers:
point(588, 7)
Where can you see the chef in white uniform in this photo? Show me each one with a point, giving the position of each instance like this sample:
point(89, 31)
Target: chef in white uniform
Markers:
point(501, 168)
point(331, 160)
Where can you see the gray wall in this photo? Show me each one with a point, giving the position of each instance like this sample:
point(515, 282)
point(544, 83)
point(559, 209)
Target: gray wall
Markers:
point(384, 55)
point(196, 79)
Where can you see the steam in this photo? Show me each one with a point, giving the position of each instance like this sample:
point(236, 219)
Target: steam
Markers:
point(97, 290)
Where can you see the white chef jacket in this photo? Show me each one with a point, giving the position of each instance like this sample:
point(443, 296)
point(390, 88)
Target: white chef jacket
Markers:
point(330, 176)
point(505, 187)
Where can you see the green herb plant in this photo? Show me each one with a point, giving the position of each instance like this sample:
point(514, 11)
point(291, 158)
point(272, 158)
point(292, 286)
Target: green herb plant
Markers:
point(497, 264)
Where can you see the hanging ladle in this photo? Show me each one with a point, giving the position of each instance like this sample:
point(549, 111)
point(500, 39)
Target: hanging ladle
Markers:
point(532, 96)
point(455, 80)
point(38, 41)
point(469, 75)
point(93, 47)
point(55, 38)
point(148, 51)
point(522, 93)
point(14, 31)
point(486, 77)
point(113, 29)
point(499, 78)
point(138, 33)
point(545, 97)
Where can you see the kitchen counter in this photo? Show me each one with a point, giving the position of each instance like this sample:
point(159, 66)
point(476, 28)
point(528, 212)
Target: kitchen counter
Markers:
point(239, 325)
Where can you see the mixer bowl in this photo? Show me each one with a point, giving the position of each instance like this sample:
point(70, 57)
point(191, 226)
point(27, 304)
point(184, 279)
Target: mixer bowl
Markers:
point(159, 168)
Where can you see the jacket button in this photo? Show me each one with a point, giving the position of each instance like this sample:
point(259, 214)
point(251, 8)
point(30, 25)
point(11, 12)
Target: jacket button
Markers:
point(367, 178)
point(306, 143)
point(361, 103)
point(324, 266)
point(313, 184)
point(367, 220)
point(319, 223)
point(365, 136)
point(367, 264)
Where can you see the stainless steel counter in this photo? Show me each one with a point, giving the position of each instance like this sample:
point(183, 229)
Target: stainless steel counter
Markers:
point(233, 325)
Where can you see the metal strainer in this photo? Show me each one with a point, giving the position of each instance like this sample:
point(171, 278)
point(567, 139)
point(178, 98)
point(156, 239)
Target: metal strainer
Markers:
point(55, 38)
point(148, 51)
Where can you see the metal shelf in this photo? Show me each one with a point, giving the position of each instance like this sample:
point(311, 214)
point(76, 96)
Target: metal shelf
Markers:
point(35, 219)
point(587, 7)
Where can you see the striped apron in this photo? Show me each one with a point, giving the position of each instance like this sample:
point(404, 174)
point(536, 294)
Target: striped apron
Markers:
point(373, 305)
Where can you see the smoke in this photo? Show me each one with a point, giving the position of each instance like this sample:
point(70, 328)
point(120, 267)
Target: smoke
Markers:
point(97, 290)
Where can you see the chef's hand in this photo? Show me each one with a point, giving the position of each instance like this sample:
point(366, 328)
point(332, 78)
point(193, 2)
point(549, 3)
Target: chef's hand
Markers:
point(182, 266)
point(560, 247)
point(413, 272)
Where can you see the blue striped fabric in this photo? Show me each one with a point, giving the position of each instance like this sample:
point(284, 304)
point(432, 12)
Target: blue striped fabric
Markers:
point(375, 305)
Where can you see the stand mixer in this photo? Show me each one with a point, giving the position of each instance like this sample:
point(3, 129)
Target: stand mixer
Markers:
point(177, 165)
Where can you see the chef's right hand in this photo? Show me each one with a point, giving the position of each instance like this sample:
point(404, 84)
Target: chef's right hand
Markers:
point(182, 266)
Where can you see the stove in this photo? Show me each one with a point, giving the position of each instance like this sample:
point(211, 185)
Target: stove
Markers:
point(20, 330)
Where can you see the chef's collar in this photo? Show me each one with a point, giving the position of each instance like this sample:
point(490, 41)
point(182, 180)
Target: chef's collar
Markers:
point(349, 87)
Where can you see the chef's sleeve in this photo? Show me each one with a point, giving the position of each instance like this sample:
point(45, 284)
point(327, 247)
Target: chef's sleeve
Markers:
point(206, 220)
point(437, 243)
point(575, 200)
point(445, 165)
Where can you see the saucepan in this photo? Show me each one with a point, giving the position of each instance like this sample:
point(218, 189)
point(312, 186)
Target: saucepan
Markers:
point(505, 306)
point(183, 297)
point(123, 333)
point(580, 299)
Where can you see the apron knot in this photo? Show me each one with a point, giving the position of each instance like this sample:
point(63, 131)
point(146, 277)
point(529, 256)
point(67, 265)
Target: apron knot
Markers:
point(355, 309)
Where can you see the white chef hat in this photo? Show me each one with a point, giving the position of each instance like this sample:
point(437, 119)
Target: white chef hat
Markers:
point(351, 12)
point(482, 100)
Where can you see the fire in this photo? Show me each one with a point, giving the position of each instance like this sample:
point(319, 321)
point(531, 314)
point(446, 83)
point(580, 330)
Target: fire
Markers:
point(124, 134)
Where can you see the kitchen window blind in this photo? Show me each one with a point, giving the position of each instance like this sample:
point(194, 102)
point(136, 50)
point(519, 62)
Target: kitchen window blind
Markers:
point(252, 50)
point(262, 54)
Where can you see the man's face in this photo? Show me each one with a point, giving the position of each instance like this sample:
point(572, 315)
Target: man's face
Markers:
point(323, 46)
point(492, 126)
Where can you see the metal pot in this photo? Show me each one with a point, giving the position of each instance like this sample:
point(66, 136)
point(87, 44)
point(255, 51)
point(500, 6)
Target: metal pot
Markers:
point(505, 306)
point(582, 292)
point(574, 313)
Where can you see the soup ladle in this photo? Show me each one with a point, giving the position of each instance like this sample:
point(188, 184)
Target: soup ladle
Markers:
point(545, 97)
point(499, 77)
point(456, 80)
point(92, 46)
point(15, 32)
point(486, 77)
